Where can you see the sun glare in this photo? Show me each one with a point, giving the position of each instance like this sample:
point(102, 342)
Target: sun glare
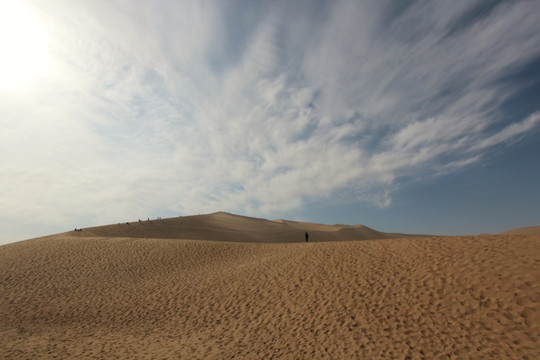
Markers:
point(24, 54)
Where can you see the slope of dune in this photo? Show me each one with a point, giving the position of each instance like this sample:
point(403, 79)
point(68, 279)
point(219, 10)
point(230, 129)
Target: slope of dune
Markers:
point(223, 226)
point(69, 297)
point(524, 230)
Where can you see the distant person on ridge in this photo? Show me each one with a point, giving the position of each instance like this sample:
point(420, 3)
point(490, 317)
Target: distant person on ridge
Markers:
point(307, 236)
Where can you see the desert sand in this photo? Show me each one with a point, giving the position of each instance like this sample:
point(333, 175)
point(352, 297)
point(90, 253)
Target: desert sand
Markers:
point(522, 231)
point(222, 286)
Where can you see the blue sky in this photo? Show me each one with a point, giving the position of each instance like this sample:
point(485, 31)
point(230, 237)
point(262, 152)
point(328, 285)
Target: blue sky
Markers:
point(404, 116)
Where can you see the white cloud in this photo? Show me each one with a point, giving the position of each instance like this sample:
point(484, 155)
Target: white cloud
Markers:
point(511, 132)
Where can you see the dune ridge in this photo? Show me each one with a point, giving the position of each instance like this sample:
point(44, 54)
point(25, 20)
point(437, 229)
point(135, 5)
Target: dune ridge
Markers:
point(69, 296)
point(222, 226)
point(524, 230)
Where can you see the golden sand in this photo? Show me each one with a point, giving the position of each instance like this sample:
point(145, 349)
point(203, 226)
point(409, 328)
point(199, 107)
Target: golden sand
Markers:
point(71, 296)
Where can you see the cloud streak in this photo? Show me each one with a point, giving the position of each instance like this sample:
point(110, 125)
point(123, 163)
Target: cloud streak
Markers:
point(188, 107)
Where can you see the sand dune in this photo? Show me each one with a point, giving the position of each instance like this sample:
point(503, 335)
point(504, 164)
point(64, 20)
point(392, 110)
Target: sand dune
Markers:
point(524, 230)
point(72, 296)
point(223, 226)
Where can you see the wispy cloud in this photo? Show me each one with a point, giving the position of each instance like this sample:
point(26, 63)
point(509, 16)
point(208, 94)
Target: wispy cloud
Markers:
point(196, 106)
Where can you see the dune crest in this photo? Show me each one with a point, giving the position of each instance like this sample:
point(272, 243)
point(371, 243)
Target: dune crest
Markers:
point(525, 230)
point(222, 226)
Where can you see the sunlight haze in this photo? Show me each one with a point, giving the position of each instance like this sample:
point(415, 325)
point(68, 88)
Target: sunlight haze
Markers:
point(23, 45)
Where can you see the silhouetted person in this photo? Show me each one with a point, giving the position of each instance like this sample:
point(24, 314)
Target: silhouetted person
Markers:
point(307, 236)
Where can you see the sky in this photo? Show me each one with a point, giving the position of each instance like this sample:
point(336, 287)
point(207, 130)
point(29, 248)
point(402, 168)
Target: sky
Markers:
point(405, 116)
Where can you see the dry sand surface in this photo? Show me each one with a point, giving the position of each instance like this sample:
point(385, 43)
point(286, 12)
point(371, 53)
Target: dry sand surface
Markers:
point(525, 230)
point(222, 226)
point(110, 297)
